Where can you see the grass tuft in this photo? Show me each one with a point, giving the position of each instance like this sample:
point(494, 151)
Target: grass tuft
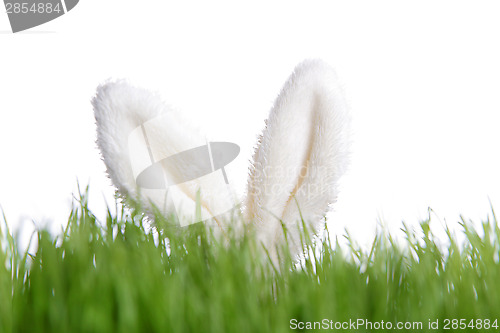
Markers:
point(121, 275)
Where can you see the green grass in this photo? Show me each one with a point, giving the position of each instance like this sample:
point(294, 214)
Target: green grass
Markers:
point(117, 276)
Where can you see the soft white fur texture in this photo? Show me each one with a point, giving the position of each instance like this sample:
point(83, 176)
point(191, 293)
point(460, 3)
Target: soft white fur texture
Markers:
point(119, 109)
point(301, 154)
point(300, 157)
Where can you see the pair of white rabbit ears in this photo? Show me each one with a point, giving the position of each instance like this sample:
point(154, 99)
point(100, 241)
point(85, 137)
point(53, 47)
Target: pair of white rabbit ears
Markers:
point(300, 156)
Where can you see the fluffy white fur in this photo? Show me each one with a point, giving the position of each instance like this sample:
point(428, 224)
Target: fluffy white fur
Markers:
point(120, 108)
point(300, 157)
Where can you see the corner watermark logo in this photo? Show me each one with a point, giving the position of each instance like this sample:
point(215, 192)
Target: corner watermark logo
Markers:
point(26, 14)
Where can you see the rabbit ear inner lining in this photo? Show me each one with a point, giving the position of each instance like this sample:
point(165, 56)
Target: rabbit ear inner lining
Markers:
point(305, 165)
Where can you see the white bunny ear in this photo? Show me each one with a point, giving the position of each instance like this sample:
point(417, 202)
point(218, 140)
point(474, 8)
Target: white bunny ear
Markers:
point(302, 152)
point(154, 156)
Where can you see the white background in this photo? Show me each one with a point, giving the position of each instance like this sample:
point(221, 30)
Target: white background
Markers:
point(422, 80)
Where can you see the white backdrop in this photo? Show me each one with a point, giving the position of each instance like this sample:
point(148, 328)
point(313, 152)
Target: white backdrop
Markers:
point(422, 80)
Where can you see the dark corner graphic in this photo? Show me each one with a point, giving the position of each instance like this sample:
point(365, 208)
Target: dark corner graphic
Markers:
point(26, 14)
